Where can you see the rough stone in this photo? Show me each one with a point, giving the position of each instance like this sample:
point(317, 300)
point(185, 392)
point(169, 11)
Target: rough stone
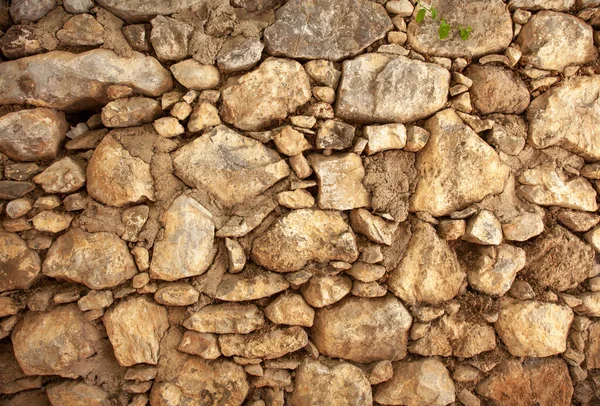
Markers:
point(266, 344)
point(176, 294)
point(297, 199)
point(63, 176)
point(77, 393)
point(20, 41)
point(82, 29)
point(334, 135)
point(95, 300)
point(497, 90)
point(385, 137)
point(290, 309)
point(19, 265)
point(577, 221)
point(226, 318)
point(30, 10)
point(130, 112)
point(170, 38)
point(495, 269)
point(51, 221)
point(323, 72)
point(483, 228)
point(239, 53)
point(324, 290)
point(145, 10)
point(252, 284)
point(290, 142)
point(196, 76)
point(590, 304)
point(205, 345)
point(78, 6)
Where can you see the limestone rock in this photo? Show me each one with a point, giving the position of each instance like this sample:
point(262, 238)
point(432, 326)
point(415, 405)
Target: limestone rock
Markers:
point(77, 6)
point(203, 116)
point(77, 393)
point(56, 342)
point(30, 10)
point(130, 112)
point(145, 10)
point(429, 272)
point(385, 137)
point(303, 236)
point(230, 166)
point(495, 269)
point(578, 221)
point(553, 41)
point(490, 20)
point(196, 76)
point(266, 344)
point(239, 53)
point(226, 318)
point(297, 199)
point(363, 330)
point(187, 242)
point(334, 135)
point(176, 294)
point(422, 382)
point(290, 142)
point(373, 227)
point(135, 327)
point(324, 290)
point(205, 345)
point(483, 228)
point(51, 221)
point(32, 135)
point(590, 304)
point(19, 265)
point(82, 29)
point(63, 176)
point(254, 283)
point(267, 94)
point(20, 41)
point(497, 90)
point(63, 80)
point(556, 5)
point(457, 167)
point(340, 179)
point(533, 329)
point(323, 72)
point(330, 383)
point(170, 38)
point(96, 300)
point(98, 260)
point(592, 348)
point(290, 309)
point(321, 29)
point(382, 88)
point(115, 177)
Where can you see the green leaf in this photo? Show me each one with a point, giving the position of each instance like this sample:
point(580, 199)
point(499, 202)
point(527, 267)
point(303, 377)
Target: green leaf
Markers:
point(421, 15)
point(444, 29)
point(465, 32)
point(433, 12)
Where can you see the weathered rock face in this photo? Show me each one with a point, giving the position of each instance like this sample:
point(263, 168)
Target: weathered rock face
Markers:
point(290, 309)
point(230, 166)
point(97, 260)
point(271, 92)
point(199, 382)
point(533, 329)
point(130, 112)
point(77, 393)
point(363, 330)
point(556, 5)
point(31, 135)
point(252, 284)
point(269, 344)
point(239, 53)
point(135, 327)
point(567, 115)
point(423, 382)
point(382, 88)
point(429, 272)
point(497, 90)
point(322, 29)
point(490, 20)
point(187, 242)
point(496, 268)
point(226, 318)
point(330, 382)
point(57, 342)
point(64, 176)
point(19, 265)
point(63, 80)
point(553, 41)
point(456, 167)
point(143, 10)
point(303, 236)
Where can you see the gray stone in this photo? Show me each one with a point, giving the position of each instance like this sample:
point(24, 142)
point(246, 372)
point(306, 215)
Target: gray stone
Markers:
point(30, 10)
point(497, 90)
point(239, 53)
point(145, 10)
point(170, 38)
point(78, 6)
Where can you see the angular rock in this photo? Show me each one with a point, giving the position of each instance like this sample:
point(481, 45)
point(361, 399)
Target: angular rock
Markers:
point(508, 133)
point(230, 166)
point(51, 221)
point(135, 327)
point(578, 221)
point(553, 41)
point(290, 309)
point(56, 342)
point(19, 265)
point(97, 260)
point(205, 345)
point(533, 329)
point(363, 330)
point(10, 190)
point(497, 90)
point(324, 290)
point(203, 116)
point(186, 246)
point(96, 300)
point(385, 137)
point(373, 227)
point(321, 29)
point(145, 10)
point(75, 82)
point(30, 10)
point(32, 135)
point(490, 20)
point(590, 304)
point(303, 236)
point(323, 72)
point(495, 269)
point(196, 76)
point(422, 382)
point(170, 38)
point(483, 228)
point(340, 179)
point(130, 112)
point(266, 344)
point(297, 199)
point(20, 41)
point(457, 167)
point(116, 178)
point(77, 393)
point(77, 6)
point(63, 176)
point(567, 115)
point(334, 135)
point(379, 87)
point(81, 30)
point(592, 348)
point(429, 272)
point(556, 5)
point(268, 94)
point(176, 294)
point(290, 142)
point(365, 272)
point(239, 53)
point(226, 318)
point(254, 283)
point(330, 383)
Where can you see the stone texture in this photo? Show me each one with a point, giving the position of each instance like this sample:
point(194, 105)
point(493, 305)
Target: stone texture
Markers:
point(97, 260)
point(304, 236)
point(457, 167)
point(30, 10)
point(324, 290)
point(63, 176)
point(384, 137)
point(51, 221)
point(196, 76)
point(20, 41)
point(267, 94)
point(81, 30)
point(230, 166)
point(266, 344)
point(490, 20)
point(145, 10)
point(429, 272)
point(32, 135)
point(135, 327)
point(290, 309)
point(226, 318)
point(556, 5)
point(170, 38)
point(321, 29)
point(19, 265)
point(185, 247)
point(373, 227)
point(363, 330)
point(334, 135)
point(495, 269)
point(130, 112)
point(63, 80)
point(553, 41)
point(252, 284)
point(382, 88)
point(483, 228)
point(77, 393)
point(176, 294)
point(497, 90)
point(239, 53)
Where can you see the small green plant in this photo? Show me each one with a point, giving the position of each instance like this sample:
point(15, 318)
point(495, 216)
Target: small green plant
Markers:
point(444, 28)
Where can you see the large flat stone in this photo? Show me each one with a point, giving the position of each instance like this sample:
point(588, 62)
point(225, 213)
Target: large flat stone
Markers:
point(145, 10)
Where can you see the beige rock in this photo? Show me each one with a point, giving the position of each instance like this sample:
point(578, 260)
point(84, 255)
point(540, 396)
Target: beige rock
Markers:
point(557, 5)
point(130, 112)
point(365, 272)
point(330, 382)
point(483, 228)
point(590, 304)
point(290, 309)
point(495, 269)
point(63, 176)
point(577, 220)
point(451, 230)
point(181, 110)
point(593, 238)
point(239, 53)
point(368, 289)
point(296, 199)
point(196, 76)
point(334, 134)
point(254, 283)
point(19, 265)
point(226, 318)
point(429, 272)
point(533, 329)
point(497, 90)
point(176, 294)
point(303, 236)
point(52, 221)
point(378, 87)
point(77, 393)
point(47, 202)
point(82, 29)
point(236, 255)
point(414, 383)
point(203, 116)
point(266, 344)
point(363, 330)
point(416, 138)
point(135, 327)
point(271, 92)
point(290, 142)
point(373, 227)
point(170, 38)
point(119, 91)
point(592, 347)
point(230, 166)
point(186, 248)
point(247, 217)
point(205, 345)
point(168, 127)
point(323, 72)
point(134, 219)
point(321, 291)
point(523, 227)
point(385, 137)
point(18, 207)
